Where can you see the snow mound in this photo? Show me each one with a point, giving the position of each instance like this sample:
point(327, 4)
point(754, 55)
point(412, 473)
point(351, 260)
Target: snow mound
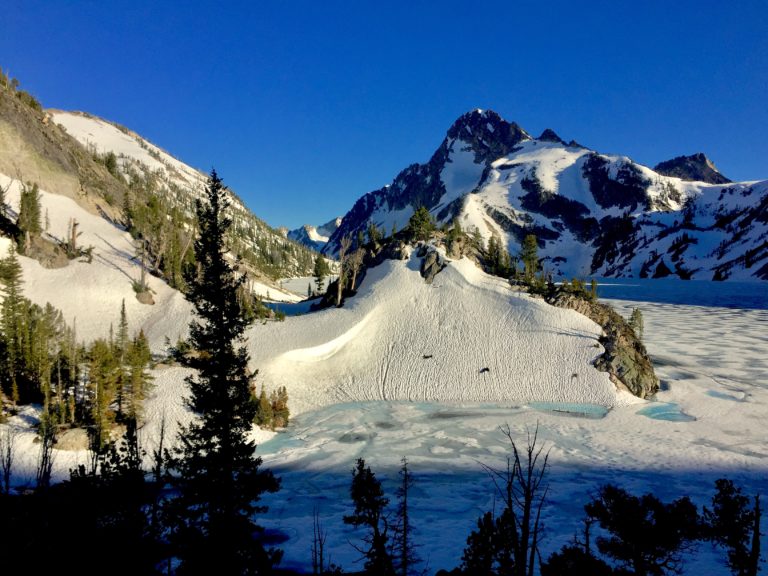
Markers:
point(465, 338)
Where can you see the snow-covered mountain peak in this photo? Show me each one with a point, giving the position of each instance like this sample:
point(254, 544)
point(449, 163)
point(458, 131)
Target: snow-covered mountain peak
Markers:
point(314, 237)
point(487, 133)
point(592, 213)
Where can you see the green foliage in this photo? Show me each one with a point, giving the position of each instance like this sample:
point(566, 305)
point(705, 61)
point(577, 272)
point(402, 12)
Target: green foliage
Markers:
point(272, 410)
point(29, 220)
point(578, 288)
point(645, 535)
point(370, 505)
point(529, 255)
point(636, 322)
point(421, 225)
point(264, 413)
point(321, 272)
point(374, 234)
point(218, 476)
point(498, 259)
point(280, 413)
point(455, 232)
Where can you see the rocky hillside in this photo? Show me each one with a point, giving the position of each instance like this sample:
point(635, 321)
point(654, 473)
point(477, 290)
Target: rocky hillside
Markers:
point(34, 148)
point(153, 175)
point(592, 213)
point(113, 172)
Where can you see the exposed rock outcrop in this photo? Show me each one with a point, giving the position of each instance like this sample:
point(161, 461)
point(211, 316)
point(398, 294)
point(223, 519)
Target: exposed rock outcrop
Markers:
point(694, 168)
point(432, 262)
point(625, 357)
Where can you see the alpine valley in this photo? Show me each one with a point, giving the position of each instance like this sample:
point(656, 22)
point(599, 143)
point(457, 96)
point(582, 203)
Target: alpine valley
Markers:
point(424, 350)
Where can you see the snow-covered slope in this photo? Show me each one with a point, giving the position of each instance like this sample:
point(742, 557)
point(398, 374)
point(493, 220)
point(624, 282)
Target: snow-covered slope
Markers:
point(467, 337)
point(593, 214)
point(90, 294)
point(266, 252)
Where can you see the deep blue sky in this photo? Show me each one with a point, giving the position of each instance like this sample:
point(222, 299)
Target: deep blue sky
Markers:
point(304, 106)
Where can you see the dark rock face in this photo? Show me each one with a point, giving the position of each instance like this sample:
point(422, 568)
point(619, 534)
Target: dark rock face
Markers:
point(432, 263)
point(625, 357)
point(627, 190)
point(694, 168)
point(489, 135)
point(549, 136)
point(574, 215)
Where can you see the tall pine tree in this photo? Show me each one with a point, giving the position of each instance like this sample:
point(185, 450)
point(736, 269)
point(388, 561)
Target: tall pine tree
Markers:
point(219, 477)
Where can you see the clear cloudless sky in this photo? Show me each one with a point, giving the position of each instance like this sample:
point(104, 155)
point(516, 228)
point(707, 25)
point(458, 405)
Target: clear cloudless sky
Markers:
point(302, 107)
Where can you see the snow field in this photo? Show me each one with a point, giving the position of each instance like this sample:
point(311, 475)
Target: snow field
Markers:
point(403, 339)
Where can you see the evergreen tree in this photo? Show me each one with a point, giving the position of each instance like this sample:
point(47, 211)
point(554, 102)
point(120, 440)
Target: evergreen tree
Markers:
point(279, 402)
point(30, 213)
point(529, 254)
point(370, 505)
point(646, 536)
point(13, 308)
point(264, 410)
point(120, 350)
point(405, 557)
point(219, 477)
point(102, 382)
point(421, 224)
point(735, 525)
point(138, 357)
point(479, 556)
point(636, 322)
point(321, 272)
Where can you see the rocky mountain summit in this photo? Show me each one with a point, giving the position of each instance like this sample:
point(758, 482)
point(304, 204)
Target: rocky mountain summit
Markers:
point(694, 168)
point(592, 213)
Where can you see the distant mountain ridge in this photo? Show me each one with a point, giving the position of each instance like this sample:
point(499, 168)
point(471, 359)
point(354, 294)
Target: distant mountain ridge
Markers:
point(314, 237)
point(593, 214)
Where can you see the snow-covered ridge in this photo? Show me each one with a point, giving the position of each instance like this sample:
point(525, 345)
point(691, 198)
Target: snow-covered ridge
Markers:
point(102, 136)
point(467, 337)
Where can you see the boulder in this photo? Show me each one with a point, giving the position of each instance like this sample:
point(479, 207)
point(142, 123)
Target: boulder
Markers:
point(432, 262)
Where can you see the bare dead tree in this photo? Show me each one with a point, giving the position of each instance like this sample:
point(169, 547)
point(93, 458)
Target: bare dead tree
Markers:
point(355, 264)
point(47, 434)
point(523, 491)
point(318, 544)
point(158, 454)
point(344, 246)
point(7, 455)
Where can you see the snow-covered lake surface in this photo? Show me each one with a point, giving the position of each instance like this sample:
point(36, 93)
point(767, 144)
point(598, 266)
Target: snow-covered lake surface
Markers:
point(707, 422)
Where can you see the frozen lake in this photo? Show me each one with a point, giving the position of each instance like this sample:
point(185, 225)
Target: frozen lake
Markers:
point(708, 422)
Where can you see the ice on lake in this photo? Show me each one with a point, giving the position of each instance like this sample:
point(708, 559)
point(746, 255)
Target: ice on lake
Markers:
point(706, 423)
